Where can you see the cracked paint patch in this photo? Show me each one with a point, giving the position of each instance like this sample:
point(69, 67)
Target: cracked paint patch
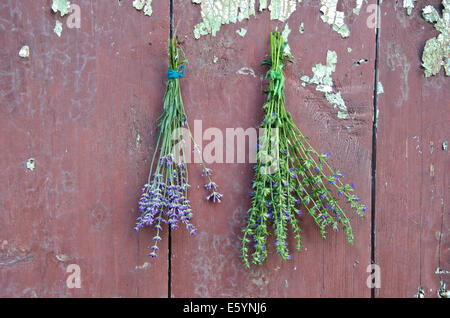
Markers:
point(31, 164)
point(61, 6)
point(301, 28)
point(437, 50)
point(409, 5)
point(324, 83)
point(24, 51)
point(58, 28)
point(144, 6)
point(282, 9)
point(217, 12)
point(333, 17)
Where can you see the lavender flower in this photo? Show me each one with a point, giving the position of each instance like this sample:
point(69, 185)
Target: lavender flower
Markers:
point(164, 196)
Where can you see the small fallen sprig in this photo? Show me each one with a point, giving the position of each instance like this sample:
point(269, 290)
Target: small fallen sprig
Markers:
point(303, 181)
point(165, 196)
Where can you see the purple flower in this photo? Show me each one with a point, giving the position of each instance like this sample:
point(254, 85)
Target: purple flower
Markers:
point(206, 172)
point(211, 186)
point(317, 169)
point(153, 255)
point(214, 196)
point(157, 238)
point(327, 154)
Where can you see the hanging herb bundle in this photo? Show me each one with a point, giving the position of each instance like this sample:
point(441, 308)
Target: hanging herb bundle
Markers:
point(164, 197)
point(291, 177)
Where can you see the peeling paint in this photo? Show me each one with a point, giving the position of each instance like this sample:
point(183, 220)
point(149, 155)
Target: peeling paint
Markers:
point(358, 7)
point(440, 271)
point(24, 51)
point(144, 5)
point(437, 50)
point(58, 28)
point(31, 164)
point(409, 5)
point(380, 88)
point(333, 17)
point(61, 6)
point(301, 28)
point(324, 83)
point(215, 13)
point(282, 9)
point(242, 32)
point(262, 5)
point(62, 257)
point(285, 35)
point(246, 71)
point(143, 266)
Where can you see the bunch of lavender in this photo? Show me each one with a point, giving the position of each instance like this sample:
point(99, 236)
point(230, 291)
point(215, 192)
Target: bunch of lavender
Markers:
point(164, 197)
point(291, 177)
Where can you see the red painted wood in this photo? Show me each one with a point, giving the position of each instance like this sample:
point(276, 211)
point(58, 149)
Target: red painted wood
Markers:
point(412, 214)
point(209, 265)
point(77, 105)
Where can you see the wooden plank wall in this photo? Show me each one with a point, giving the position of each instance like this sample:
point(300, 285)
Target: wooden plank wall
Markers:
point(85, 106)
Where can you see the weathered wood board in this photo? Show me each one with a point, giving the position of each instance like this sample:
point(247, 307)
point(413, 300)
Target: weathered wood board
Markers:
point(209, 265)
point(412, 213)
point(76, 106)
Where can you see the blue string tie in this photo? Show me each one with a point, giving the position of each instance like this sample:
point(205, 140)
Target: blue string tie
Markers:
point(171, 74)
